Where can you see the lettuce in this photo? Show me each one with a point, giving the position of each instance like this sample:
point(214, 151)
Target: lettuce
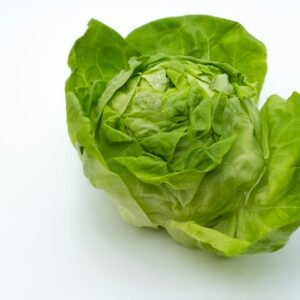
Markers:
point(166, 121)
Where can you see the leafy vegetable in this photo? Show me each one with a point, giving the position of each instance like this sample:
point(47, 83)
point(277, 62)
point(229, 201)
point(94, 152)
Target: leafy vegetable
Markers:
point(166, 121)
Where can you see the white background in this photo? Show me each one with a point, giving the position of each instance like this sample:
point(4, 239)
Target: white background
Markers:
point(61, 239)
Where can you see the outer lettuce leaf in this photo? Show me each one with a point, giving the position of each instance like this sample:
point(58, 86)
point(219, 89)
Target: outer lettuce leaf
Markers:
point(204, 37)
point(193, 235)
point(272, 208)
point(95, 59)
point(95, 168)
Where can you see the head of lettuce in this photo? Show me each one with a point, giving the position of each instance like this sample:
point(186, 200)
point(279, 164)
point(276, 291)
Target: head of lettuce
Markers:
point(166, 121)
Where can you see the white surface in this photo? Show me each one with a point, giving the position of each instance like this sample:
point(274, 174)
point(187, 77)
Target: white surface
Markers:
point(60, 238)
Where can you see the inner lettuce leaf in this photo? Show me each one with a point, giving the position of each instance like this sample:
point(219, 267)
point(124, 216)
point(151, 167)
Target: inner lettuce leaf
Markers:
point(166, 122)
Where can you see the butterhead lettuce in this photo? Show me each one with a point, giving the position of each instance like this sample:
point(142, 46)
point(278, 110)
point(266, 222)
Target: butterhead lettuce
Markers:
point(166, 121)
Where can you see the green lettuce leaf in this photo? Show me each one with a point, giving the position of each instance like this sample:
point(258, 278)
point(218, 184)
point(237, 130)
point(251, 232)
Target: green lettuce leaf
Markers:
point(95, 59)
point(95, 168)
point(204, 37)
